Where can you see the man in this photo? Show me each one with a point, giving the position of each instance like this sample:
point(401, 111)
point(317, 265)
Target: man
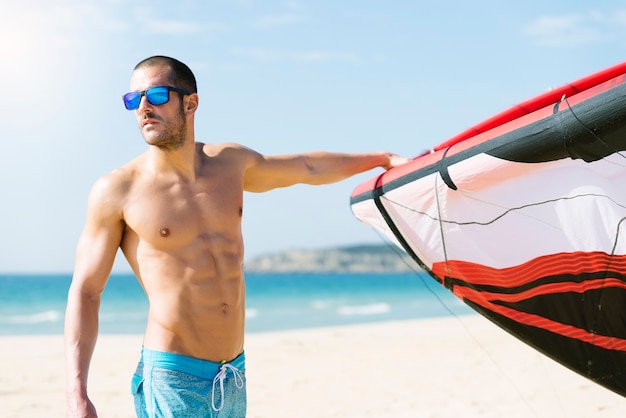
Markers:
point(175, 211)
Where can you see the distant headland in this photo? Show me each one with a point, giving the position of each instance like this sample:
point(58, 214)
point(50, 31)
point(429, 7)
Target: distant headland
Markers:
point(374, 258)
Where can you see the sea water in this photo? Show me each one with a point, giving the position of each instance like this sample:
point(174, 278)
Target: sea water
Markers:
point(35, 304)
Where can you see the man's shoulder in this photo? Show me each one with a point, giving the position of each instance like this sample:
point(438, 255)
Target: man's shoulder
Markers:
point(118, 181)
point(214, 149)
point(229, 150)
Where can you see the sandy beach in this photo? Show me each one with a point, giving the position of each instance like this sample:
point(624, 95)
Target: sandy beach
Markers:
point(450, 367)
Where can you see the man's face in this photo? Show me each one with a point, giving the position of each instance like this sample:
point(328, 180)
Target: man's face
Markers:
point(163, 125)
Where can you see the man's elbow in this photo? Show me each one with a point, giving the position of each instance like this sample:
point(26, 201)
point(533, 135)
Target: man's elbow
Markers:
point(79, 293)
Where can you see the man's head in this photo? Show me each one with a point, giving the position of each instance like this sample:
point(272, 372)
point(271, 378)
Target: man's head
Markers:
point(165, 114)
point(181, 75)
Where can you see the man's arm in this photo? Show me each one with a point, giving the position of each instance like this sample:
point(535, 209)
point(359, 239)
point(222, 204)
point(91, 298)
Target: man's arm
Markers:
point(95, 254)
point(271, 172)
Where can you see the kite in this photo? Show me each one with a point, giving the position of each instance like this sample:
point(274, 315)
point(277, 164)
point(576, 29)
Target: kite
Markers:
point(523, 217)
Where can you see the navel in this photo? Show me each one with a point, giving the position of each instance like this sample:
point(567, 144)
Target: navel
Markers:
point(225, 308)
point(164, 232)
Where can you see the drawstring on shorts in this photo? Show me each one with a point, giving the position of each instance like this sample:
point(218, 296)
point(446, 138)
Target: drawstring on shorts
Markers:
point(220, 376)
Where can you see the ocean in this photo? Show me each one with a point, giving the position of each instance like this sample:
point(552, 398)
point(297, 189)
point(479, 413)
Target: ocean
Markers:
point(35, 304)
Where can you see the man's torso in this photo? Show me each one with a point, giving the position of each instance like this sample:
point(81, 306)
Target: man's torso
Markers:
point(183, 240)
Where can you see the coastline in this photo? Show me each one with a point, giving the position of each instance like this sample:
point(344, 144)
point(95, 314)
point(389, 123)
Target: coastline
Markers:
point(442, 367)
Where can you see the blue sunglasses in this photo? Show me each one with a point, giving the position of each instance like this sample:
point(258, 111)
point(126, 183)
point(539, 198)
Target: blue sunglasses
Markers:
point(156, 96)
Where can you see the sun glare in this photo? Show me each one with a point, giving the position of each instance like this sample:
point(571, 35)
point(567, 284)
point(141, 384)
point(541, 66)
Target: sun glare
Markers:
point(39, 46)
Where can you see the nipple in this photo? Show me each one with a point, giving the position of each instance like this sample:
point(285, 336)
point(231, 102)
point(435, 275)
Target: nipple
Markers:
point(164, 232)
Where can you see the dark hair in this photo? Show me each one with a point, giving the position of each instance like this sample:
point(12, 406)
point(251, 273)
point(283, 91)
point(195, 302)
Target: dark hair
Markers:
point(181, 75)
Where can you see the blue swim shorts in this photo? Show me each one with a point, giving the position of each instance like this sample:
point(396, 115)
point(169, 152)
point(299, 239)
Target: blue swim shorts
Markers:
point(173, 385)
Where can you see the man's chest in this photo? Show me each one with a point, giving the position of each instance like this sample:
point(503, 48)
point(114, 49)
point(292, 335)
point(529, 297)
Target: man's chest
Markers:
point(181, 213)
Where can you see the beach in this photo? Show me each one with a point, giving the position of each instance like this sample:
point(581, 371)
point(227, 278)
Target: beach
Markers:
point(444, 367)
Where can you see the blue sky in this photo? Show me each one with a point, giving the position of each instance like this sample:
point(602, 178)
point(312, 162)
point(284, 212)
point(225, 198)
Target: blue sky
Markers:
point(277, 76)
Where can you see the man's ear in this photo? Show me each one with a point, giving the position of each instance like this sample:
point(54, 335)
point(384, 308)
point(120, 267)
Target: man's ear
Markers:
point(191, 103)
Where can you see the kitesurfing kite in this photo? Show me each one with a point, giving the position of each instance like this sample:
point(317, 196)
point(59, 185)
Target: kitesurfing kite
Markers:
point(523, 217)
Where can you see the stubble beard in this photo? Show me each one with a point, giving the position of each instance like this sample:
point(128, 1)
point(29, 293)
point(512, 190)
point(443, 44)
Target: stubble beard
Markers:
point(172, 137)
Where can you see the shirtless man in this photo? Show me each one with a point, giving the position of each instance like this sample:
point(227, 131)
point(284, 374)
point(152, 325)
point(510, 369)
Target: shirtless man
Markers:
point(175, 211)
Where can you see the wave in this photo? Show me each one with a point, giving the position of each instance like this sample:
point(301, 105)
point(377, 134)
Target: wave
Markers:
point(372, 309)
point(252, 313)
point(36, 318)
point(321, 304)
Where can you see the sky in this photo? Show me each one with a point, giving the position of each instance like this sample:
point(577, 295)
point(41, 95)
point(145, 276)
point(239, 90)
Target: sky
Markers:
point(276, 76)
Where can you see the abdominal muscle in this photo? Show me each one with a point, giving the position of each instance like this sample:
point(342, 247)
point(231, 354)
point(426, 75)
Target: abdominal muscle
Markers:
point(197, 303)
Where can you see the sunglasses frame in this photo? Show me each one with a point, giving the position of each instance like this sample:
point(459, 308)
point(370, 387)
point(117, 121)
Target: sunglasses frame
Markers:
point(146, 93)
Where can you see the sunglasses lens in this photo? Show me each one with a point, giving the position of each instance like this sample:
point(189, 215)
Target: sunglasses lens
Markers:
point(132, 100)
point(158, 95)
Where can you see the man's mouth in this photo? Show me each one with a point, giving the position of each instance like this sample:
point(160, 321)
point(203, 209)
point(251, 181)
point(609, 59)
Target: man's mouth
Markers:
point(148, 121)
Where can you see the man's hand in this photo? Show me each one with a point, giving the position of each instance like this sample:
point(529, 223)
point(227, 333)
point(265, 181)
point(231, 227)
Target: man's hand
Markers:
point(396, 160)
point(80, 408)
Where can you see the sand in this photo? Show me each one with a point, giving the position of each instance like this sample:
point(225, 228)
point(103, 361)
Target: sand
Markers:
point(449, 367)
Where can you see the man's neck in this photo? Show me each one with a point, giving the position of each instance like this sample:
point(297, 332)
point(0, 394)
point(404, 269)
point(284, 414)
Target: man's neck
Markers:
point(181, 161)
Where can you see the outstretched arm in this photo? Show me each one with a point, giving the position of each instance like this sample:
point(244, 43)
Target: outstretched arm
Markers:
point(94, 259)
point(271, 172)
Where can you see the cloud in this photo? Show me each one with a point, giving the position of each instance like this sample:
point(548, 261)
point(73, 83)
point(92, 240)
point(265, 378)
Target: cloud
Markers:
point(294, 5)
point(180, 27)
point(577, 28)
point(619, 18)
point(566, 30)
point(267, 54)
point(144, 18)
point(258, 54)
point(325, 56)
point(270, 21)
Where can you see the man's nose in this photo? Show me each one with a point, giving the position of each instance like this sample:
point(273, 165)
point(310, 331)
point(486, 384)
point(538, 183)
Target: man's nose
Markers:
point(144, 104)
